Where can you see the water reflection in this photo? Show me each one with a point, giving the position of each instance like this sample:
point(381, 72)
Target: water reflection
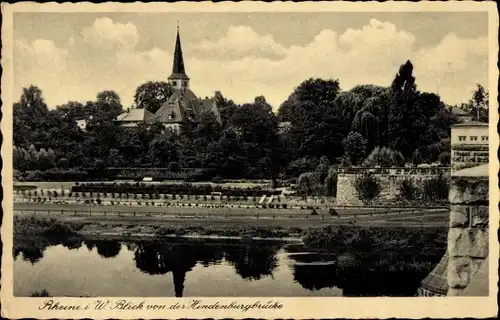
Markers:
point(105, 248)
point(33, 250)
point(157, 258)
point(363, 274)
point(250, 262)
point(356, 274)
point(253, 263)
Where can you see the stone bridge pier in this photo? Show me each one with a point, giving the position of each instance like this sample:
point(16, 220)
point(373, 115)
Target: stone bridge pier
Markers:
point(467, 271)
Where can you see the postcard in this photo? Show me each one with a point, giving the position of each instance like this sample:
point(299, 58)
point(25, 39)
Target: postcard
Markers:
point(249, 160)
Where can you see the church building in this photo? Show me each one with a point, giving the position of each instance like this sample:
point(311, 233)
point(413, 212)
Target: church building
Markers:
point(182, 105)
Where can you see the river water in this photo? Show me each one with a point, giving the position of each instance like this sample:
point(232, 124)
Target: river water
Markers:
point(196, 268)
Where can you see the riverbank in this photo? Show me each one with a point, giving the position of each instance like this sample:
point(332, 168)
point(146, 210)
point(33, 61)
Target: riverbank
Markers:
point(317, 232)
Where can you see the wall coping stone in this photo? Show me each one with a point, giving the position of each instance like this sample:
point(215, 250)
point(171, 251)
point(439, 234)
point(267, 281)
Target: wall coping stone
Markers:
point(478, 171)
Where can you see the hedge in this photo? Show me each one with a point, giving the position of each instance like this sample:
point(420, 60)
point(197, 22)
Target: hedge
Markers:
point(54, 175)
point(179, 189)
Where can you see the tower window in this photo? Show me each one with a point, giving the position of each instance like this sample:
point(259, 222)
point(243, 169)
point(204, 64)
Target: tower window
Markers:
point(461, 138)
point(484, 138)
point(174, 83)
point(473, 138)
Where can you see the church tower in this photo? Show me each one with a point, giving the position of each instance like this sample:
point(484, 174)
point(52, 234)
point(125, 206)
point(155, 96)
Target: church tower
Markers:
point(178, 79)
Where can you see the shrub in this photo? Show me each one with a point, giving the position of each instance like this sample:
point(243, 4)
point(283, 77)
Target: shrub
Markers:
point(43, 293)
point(384, 157)
point(368, 187)
point(284, 205)
point(174, 166)
point(217, 179)
point(436, 188)
point(408, 191)
point(59, 229)
point(416, 158)
point(444, 158)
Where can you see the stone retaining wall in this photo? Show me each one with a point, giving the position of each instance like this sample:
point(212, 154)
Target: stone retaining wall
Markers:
point(390, 180)
point(463, 157)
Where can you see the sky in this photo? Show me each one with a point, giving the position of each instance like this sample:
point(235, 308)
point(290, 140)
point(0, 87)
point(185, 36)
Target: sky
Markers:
point(73, 56)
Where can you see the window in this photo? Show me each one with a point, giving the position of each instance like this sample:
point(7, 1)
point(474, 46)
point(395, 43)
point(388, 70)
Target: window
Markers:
point(461, 138)
point(473, 138)
point(484, 138)
point(174, 83)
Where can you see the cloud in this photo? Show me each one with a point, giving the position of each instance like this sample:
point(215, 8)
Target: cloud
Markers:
point(244, 64)
point(241, 41)
point(105, 34)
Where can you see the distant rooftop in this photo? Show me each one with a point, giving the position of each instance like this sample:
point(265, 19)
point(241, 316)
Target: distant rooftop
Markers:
point(471, 124)
point(134, 115)
point(479, 171)
point(460, 112)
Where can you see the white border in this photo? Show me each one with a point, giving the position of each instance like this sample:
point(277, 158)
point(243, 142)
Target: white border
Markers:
point(439, 307)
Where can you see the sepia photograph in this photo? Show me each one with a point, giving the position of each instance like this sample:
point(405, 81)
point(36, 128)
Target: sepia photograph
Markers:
point(162, 153)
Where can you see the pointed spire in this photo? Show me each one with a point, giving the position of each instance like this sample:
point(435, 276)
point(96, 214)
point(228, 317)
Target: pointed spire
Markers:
point(178, 70)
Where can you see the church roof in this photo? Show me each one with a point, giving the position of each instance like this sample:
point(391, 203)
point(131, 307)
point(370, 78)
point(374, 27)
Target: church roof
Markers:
point(169, 112)
point(134, 115)
point(178, 69)
point(181, 105)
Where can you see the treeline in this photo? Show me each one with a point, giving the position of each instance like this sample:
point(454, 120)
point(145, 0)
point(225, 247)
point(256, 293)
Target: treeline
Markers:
point(367, 125)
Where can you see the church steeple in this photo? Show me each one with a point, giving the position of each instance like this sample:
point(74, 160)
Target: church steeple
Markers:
point(178, 78)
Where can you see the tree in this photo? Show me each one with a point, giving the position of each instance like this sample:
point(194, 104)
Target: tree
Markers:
point(29, 118)
point(226, 108)
point(478, 105)
point(72, 110)
point(416, 158)
point(366, 106)
point(316, 127)
point(110, 103)
point(33, 157)
point(322, 169)
point(163, 150)
point(152, 95)
point(257, 127)
point(354, 147)
point(63, 163)
point(115, 159)
point(406, 120)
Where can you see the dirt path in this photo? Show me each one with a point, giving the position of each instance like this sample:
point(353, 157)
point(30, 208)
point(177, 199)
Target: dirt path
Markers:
point(187, 217)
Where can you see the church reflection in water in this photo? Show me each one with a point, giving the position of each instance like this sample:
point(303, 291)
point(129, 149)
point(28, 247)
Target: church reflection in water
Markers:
point(250, 262)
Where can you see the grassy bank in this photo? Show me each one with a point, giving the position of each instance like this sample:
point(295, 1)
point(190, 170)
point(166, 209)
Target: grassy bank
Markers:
point(321, 234)
point(376, 238)
point(32, 226)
